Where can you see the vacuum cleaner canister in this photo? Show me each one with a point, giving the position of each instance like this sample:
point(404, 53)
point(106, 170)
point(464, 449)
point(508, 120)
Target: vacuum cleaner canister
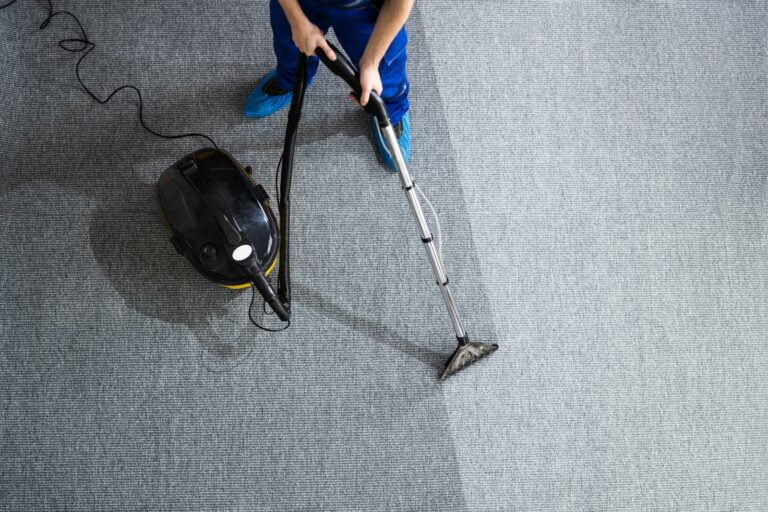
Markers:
point(212, 207)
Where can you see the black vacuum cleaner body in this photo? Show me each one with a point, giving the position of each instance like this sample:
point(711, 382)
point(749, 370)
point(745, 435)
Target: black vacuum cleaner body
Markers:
point(221, 220)
point(213, 208)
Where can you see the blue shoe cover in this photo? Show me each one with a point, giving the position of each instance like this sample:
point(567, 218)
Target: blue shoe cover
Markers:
point(404, 142)
point(260, 104)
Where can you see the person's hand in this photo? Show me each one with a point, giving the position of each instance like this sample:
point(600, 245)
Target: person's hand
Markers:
point(308, 37)
point(370, 80)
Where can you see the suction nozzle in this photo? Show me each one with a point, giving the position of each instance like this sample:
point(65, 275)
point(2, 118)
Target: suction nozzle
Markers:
point(467, 353)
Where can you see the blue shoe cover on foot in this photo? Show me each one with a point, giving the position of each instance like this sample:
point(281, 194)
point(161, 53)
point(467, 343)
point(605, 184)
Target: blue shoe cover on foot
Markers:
point(260, 104)
point(404, 142)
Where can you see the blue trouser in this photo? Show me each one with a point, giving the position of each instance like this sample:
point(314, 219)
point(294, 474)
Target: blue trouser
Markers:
point(353, 28)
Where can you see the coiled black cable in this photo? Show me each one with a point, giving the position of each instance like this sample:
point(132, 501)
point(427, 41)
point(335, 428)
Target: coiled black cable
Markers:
point(85, 46)
point(264, 307)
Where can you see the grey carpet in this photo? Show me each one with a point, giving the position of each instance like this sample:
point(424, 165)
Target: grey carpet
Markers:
point(600, 173)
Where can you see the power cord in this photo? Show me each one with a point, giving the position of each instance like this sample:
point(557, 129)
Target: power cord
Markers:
point(437, 221)
point(85, 46)
point(254, 322)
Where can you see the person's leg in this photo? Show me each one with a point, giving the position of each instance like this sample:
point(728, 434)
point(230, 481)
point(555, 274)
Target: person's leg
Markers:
point(285, 50)
point(273, 91)
point(353, 29)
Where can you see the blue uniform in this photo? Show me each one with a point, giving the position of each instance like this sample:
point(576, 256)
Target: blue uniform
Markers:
point(352, 22)
point(349, 4)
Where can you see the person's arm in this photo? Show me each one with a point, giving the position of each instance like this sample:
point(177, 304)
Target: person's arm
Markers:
point(306, 35)
point(391, 20)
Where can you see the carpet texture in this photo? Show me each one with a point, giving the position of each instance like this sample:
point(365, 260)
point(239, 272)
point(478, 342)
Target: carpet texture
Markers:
point(600, 174)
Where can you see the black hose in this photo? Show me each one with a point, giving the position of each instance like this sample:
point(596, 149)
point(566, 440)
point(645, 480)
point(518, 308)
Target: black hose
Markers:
point(343, 68)
point(294, 116)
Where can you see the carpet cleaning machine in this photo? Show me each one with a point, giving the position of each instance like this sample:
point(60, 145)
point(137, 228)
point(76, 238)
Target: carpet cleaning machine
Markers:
point(221, 220)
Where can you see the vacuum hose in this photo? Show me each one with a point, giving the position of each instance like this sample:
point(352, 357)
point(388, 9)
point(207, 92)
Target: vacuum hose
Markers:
point(375, 106)
point(343, 68)
point(284, 207)
point(261, 283)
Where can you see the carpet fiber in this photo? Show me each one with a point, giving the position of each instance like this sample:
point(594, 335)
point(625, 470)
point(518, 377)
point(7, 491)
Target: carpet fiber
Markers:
point(600, 174)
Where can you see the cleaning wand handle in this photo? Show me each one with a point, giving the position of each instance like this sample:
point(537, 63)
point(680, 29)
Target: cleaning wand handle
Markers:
point(343, 68)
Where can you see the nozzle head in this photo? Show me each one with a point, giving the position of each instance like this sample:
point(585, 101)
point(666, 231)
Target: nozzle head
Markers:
point(466, 354)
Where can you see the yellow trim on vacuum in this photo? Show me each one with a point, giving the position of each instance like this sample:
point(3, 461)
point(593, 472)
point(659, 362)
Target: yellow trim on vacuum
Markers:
point(248, 285)
point(237, 286)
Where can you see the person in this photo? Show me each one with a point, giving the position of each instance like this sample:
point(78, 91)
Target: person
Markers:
point(372, 34)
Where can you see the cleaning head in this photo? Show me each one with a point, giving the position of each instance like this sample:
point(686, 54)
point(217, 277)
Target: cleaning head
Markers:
point(467, 353)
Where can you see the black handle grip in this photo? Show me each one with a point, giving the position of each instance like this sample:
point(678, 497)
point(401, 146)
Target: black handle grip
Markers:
point(343, 68)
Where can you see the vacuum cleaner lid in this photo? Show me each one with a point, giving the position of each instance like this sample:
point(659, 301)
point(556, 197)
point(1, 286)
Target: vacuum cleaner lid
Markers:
point(212, 207)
